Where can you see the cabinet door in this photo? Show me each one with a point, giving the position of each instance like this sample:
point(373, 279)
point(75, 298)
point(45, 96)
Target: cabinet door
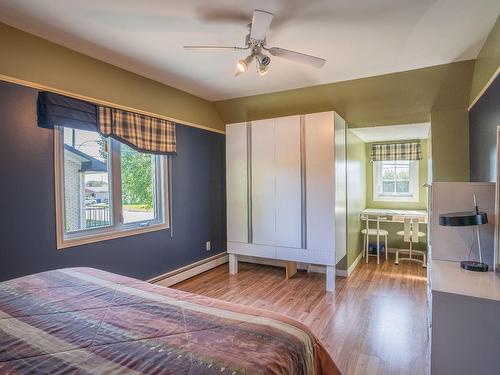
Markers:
point(288, 182)
point(320, 179)
point(236, 182)
point(263, 184)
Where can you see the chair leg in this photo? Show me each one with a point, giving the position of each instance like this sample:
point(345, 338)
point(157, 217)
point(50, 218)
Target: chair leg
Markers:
point(386, 250)
point(424, 264)
point(364, 246)
point(378, 251)
point(397, 258)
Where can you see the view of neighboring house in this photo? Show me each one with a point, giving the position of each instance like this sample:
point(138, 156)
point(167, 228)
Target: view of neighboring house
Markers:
point(86, 206)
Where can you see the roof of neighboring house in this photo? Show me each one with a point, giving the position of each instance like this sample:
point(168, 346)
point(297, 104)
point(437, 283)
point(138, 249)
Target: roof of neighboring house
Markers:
point(97, 189)
point(88, 163)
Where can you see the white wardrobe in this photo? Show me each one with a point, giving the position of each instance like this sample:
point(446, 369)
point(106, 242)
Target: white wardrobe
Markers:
point(286, 190)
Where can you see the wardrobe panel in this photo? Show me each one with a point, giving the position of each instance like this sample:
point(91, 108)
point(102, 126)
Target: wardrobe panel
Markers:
point(320, 178)
point(248, 249)
point(236, 182)
point(288, 182)
point(340, 188)
point(263, 183)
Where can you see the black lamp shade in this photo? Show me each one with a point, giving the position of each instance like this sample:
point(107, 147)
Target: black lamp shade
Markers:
point(463, 219)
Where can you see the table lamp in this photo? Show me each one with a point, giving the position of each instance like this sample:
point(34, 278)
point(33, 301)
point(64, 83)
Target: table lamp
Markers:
point(464, 219)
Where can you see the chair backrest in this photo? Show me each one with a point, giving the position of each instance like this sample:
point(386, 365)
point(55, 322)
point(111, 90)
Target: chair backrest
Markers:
point(410, 229)
point(372, 218)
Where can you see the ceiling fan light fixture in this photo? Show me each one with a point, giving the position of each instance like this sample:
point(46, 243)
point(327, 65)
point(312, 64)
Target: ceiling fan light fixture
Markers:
point(243, 64)
point(255, 41)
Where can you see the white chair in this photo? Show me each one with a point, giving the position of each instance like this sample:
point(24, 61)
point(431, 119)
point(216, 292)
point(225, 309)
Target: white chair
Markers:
point(412, 235)
point(367, 232)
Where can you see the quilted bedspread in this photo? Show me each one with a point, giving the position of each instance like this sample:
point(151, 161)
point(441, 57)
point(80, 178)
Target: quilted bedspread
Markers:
point(87, 321)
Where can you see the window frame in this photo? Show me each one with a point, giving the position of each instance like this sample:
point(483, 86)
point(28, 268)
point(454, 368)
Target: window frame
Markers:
point(413, 197)
point(117, 229)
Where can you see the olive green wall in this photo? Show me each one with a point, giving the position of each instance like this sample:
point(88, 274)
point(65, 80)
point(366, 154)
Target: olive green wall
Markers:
point(422, 193)
point(439, 94)
point(356, 195)
point(26, 57)
point(450, 145)
point(487, 63)
point(396, 98)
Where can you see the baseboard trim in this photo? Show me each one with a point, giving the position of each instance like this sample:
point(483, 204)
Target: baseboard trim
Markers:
point(355, 263)
point(176, 276)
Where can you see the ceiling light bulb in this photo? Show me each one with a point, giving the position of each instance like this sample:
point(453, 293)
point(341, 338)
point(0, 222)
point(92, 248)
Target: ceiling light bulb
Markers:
point(263, 70)
point(243, 64)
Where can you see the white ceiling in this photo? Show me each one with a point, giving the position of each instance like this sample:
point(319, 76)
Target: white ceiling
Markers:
point(359, 38)
point(393, 132)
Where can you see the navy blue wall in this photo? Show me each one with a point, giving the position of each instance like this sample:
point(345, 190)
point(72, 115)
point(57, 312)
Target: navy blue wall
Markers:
point(484, 118)
point(27, 214)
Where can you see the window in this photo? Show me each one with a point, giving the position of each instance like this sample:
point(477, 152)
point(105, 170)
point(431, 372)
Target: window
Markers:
point(106, 189)
point(395, 181)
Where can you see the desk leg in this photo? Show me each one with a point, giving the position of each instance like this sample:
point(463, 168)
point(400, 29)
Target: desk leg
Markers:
point(233, 264)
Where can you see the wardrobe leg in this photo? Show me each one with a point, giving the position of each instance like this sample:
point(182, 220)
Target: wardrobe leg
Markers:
point(330, 278)
point(233, 264)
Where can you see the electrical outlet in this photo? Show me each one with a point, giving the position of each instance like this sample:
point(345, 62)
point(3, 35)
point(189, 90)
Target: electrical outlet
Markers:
point(208, 246)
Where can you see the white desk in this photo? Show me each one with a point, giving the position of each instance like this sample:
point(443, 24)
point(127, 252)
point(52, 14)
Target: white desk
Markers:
point(396, 216)
point(465, 332)
point(449, 277)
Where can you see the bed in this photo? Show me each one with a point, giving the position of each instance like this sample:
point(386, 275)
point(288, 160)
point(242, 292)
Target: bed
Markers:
point(88, 321)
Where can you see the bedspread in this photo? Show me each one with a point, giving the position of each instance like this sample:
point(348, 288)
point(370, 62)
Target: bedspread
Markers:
point(88, 321)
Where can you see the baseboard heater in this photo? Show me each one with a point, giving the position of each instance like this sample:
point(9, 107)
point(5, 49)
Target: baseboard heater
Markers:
point(180, 274)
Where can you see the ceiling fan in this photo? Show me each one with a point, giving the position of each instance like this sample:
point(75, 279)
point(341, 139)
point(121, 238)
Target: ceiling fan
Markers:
point(255, 41)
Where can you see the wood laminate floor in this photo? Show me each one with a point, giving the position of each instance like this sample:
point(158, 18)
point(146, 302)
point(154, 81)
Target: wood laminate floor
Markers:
point(374, 323)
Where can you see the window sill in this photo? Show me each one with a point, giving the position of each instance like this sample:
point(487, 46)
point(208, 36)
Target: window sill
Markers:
point(396, 199)
point(78, 241)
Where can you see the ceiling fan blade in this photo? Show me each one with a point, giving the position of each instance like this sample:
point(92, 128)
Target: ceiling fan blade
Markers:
point(214, 47)
point(261, 21)
point(211, 14)
point(317, 62)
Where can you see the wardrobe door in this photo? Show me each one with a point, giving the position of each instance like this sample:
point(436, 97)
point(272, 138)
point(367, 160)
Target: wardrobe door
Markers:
point(236, 183)
point(263, 202)
point(288, 182)
point(320, 188)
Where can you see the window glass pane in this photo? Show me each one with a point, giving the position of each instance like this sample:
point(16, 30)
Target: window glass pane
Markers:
point(388, 187)
point(402, 173)
point(86, 180)
point(138, 185)
point(387, 172)
point(403, 187)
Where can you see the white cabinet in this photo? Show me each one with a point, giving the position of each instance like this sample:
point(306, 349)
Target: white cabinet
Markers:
point(283, 176)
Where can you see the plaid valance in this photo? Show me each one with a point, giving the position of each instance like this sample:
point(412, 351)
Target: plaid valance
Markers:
point(145, 133)
point(141, 132)
point(396, 151)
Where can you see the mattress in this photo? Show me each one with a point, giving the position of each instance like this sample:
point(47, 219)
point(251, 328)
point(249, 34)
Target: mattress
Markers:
point(88, 321)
